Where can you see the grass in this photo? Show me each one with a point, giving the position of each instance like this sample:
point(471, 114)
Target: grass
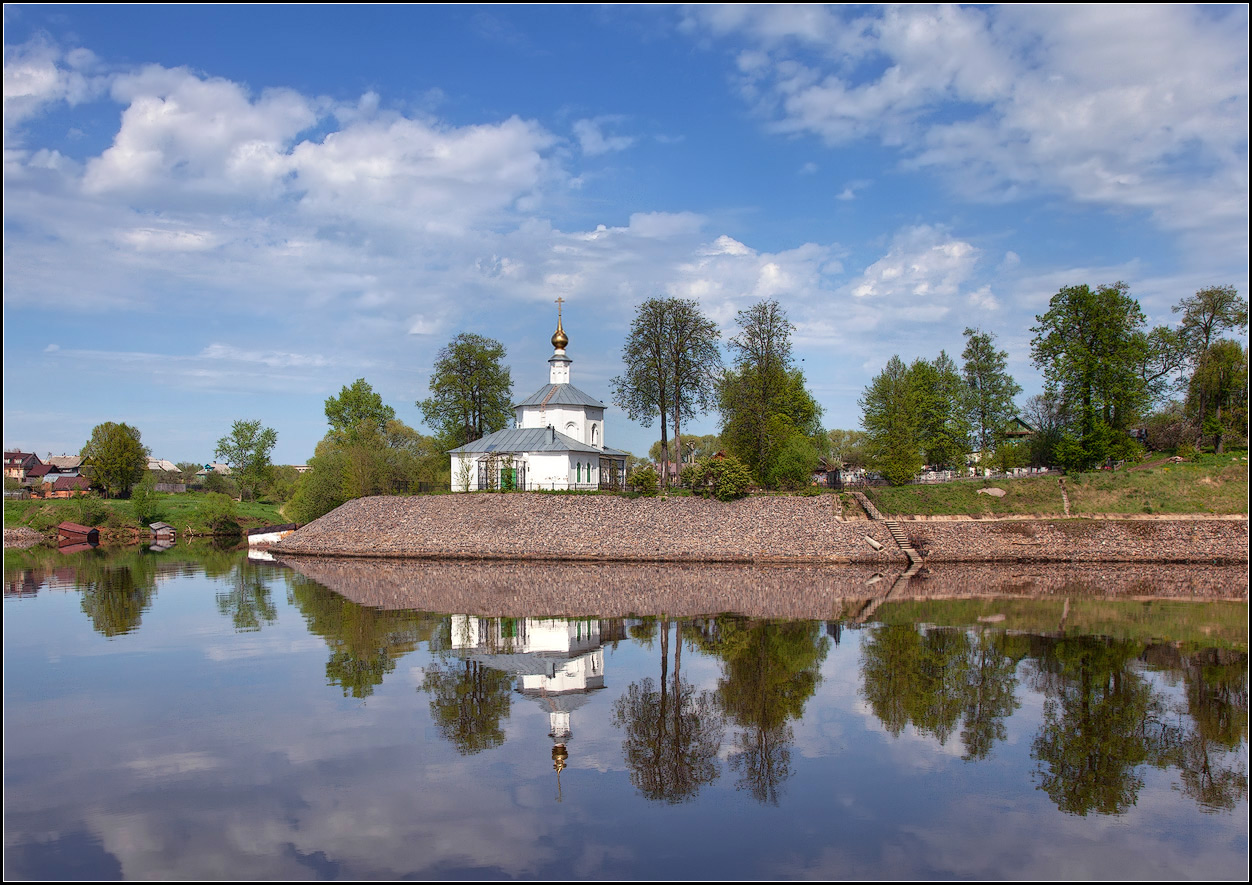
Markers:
point(1210, 484)
point(1194, 624)
point(179, 510)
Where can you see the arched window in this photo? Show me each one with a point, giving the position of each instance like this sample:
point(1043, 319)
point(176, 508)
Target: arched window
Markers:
point(580, 472)
point(595, 433)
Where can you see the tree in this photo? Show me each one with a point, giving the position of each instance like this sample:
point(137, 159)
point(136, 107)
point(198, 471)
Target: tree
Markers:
point(763, 400)
point(672, 366)
point(695, 361)
point(470, 391)
point(991, 387)
point(1092, 349)
point(890, 422)
point(1204, 316)
point(357, 407)
point(115, 458)
point(847, 448)
point(940, 399)
point(1220, 382)
point(247, 451)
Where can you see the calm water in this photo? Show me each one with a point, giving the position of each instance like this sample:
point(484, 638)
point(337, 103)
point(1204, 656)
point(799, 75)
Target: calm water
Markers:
point(192, 714)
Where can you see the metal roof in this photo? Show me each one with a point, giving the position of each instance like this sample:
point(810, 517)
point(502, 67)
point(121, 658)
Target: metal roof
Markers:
point(528, 439)
point(560, 395)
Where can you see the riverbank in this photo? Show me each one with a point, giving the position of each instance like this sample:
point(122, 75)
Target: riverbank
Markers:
point(756, 530)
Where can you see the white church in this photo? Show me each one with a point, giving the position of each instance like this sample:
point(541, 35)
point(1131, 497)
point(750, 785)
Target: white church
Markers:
point(557, 441)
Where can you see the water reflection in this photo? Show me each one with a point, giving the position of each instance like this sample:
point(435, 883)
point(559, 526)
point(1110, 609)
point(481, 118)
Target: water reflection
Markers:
point(752, 739)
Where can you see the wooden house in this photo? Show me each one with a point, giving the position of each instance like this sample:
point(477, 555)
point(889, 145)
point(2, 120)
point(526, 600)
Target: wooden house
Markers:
point(162, 531)
point(73, 533)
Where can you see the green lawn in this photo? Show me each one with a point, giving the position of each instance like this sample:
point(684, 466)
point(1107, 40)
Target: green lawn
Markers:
point(179, 510)
point(1212, 484)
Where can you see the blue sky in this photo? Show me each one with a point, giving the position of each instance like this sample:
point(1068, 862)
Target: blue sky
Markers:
point(224, 212)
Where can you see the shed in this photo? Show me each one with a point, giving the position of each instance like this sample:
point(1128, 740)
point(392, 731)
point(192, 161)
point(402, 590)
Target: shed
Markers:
point(73, 533)
point(162, 531)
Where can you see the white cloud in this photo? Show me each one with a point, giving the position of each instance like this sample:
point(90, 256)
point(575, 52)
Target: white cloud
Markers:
point(594, 142)
point(1130, 107)
point(923, 261)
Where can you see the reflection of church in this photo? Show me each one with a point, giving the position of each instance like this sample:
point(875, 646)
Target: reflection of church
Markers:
point(557, 663)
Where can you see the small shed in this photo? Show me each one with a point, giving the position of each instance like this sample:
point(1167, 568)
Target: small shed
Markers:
point(73, 533)
point(162, 531)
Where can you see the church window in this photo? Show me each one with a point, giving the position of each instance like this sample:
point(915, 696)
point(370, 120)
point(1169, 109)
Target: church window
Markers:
point(580, 472)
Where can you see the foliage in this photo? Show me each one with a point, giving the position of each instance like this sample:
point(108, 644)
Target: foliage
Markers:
point(115, 458)
point(695, 447)
point(848, 448)
point(371, 462)
point(143, 500)
point(217, 512)
point(356, 408)
point(763, 400)
point(643, 480)
point(723, 478)
point(793, 466)
point(890, 421)
point(990, 387)
point(1101, 366)
point(940, 400)
point(1168, 427)
point(1217, 395)
point(470, 391)
point(247, 450)
point(672, 366)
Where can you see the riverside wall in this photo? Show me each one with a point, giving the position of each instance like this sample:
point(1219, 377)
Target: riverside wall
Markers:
point(755, 530)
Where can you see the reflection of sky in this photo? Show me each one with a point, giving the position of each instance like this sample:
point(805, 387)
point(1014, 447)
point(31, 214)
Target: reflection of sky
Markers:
point(186, 750)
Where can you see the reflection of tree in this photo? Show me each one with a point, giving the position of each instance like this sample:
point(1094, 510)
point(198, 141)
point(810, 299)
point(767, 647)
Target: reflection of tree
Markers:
point(673, 734)
point(365, 642)
point(467, 704)
point(1217, 701)
point(1100, 721)
point(248, 601)
point(937, 678)
point(116, 593)
point(771, 670)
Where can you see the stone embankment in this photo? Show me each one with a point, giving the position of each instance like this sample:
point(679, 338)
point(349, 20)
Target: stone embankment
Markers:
point(20, 537)
point(795, 530)
point(599, 528)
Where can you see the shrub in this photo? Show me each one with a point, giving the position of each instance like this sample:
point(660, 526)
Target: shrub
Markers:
point(217, 512)
point(644, 481)
point(723, 478)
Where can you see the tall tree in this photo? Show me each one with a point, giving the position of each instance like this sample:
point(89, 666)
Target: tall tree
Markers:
point(470, 391)
point(357, 408)
point(1218, 391)
point(1204, 316)
point(889, 417)
point(672, 366)
point(991, 387)
point(115, 458)
point(763, 399)
point(695, 360)
point(941, 402)
point(1091, 347)
point(247, 450)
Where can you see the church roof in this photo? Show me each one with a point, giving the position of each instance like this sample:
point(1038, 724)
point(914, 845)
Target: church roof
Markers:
point(560, 395)
point(528, 439)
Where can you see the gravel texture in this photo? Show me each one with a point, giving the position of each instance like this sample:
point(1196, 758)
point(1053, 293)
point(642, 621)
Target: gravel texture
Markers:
point(757, 530)
point(595, 528)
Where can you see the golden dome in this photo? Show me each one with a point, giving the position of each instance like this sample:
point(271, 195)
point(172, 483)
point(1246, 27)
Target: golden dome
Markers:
point(559, 338)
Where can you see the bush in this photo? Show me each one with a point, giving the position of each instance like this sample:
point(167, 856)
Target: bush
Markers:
point(723, 478)
point(143, 500)
point(217, 512)
point(644, 481)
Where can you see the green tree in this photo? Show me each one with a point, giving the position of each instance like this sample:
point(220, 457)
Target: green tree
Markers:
point(694, 447)
point(356, 408)
point(1218, 391)
point(723, 478)
point(889, 417)
point(763, 400)
point(247, 451)
point(143, 500)
point(941, 403)
point(1092, 350)
point(991, 387)
point(217, 512)
point(470, 391)
point(672, 366)
point(848, 448)
point(115, 458)
point(468, 704)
